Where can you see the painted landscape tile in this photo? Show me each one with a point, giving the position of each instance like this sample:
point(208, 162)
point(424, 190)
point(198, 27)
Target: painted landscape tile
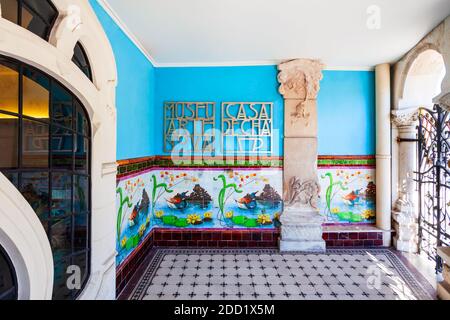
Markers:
point(184, 198)
point(348, 195)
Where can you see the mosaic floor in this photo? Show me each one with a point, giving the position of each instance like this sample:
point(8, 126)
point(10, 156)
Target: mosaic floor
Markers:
point(341, 274)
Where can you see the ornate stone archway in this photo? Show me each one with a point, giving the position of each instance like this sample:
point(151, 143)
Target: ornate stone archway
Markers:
point(404, 118)
point(98, 97)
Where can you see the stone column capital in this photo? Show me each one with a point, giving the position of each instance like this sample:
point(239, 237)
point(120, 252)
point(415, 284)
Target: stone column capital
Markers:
point(299, 79)
point(405, 117)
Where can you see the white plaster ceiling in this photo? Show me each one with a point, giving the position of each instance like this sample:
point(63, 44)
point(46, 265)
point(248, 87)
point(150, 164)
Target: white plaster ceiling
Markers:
point(227, 32)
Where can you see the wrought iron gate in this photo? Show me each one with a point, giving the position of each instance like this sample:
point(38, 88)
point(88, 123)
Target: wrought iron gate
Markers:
point(433, 179)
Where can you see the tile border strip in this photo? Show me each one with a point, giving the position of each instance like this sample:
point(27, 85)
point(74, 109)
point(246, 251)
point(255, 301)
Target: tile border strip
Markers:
point(133, 166)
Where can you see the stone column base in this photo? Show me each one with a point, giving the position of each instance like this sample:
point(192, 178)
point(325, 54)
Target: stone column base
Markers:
point(406, 229)
point(405, 246)
point(301, 231)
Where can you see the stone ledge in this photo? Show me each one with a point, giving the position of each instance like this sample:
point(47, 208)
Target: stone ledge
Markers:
point(352, 228)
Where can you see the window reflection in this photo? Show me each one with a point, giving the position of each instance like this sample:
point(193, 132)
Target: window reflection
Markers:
point(9, 139)
point(34, 144)
point(8, 285)
point(36, 94)
point(48, 160)
point(61, 194)
point(9, 90)
point(61, 106)
point(9, 10)
point(34, 188)
point(35, 16)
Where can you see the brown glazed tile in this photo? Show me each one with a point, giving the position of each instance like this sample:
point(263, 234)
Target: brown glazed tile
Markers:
point(378, 242)
point(256, 236)
point(372, 235)
point(332, 236)
point(266, 236)
point(362, 235)
point(226, 235)
point(343, 236)
point(236, 236)
point(207, 235)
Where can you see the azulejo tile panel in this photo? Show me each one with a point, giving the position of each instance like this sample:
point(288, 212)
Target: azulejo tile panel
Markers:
point(196, 198)
point(246, 197)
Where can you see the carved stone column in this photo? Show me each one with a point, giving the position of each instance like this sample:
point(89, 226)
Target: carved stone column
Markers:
point(301, 228)
point(404, 212)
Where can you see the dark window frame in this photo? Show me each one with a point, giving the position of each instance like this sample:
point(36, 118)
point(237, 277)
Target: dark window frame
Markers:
point(86, 69)
point(49, 26)
point(73, 172)
point(12, 270)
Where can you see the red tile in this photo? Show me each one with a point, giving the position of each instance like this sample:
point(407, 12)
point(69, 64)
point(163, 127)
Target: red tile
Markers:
point(232, 244)
point(338, 243)
point(186, 235)
point(267, 236)
point(253, 244)
point(182, 243)
point(378, 242)
point(176, 236)
point(236, 236)
point(246, 236)
point(216, 236)
point(372, 236)
point(222, 244)
point(332, 236)
point(358, 243)
point(202, 243)
point(196, 236)
point(207, 235)
point(362, 235)
point(353, 235)
point(348, 243)
point(368, 243)
point(256, 236)
point(343, 236)
point(192, 243)
point(243, 244)
point(330, 243)
point(325, 236)
point(212, 244)
point(226, 236)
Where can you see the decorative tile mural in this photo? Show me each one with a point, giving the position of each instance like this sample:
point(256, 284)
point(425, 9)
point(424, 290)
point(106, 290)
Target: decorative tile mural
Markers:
point(196, 198)
point(232, 197)
point(347, 194)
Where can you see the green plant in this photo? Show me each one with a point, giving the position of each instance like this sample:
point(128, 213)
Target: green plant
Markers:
point(155, 188)
point(222, 192)
point(329, 192)
point(123, 201)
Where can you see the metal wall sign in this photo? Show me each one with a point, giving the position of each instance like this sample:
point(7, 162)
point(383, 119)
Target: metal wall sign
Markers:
point(196, 118)
point(433, 178)
point(247, 127)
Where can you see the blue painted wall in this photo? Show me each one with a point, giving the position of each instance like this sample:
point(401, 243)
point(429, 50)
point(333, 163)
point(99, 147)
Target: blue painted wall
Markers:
point(217, 84)
point(346, 113)
point(346, 101)
point(135, 95)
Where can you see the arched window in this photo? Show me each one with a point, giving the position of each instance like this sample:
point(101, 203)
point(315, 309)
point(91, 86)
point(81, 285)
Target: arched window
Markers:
point(8, 282)
point(35, 16)
point(81, 60)
point(45, 144)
